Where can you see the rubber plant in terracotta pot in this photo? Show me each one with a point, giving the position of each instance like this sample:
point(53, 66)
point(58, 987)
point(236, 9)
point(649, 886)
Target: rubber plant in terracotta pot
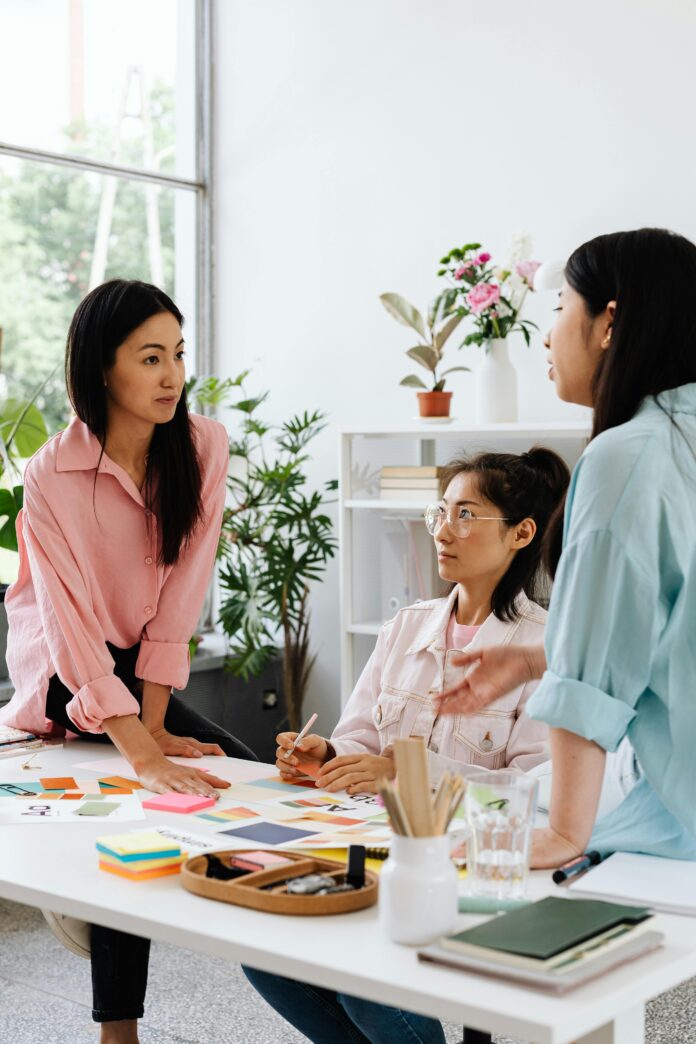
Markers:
point(433, 335)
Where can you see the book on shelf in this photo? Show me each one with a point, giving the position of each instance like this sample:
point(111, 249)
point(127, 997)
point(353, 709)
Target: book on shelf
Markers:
point(424, 471)
point(418, 496)
point(409, 483)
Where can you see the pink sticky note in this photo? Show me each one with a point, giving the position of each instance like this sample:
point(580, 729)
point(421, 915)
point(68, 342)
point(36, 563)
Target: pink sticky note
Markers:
point(173, 802)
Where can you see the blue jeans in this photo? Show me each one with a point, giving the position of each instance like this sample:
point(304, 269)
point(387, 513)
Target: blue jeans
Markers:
point(326, 1017)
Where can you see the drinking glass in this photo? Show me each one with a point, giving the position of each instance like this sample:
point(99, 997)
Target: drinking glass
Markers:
point(500, 808)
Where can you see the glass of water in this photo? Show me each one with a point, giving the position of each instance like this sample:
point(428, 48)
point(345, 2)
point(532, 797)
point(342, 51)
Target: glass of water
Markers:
point(500, 808)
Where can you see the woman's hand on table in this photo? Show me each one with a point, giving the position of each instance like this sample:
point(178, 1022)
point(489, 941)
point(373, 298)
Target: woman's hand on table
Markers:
point(356, 773)
point(493, 673)
point(312, 749)
point(184, 746)
point(162, 776)
point(551, 850)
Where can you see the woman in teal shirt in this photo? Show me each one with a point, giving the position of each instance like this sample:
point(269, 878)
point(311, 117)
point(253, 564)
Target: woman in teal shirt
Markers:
point(620, 645)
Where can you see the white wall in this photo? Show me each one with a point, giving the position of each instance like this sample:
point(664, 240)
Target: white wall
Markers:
point(357, 142)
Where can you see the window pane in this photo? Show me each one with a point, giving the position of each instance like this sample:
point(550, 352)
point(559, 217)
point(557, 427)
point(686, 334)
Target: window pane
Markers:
point(114, 82)
point(63, 232)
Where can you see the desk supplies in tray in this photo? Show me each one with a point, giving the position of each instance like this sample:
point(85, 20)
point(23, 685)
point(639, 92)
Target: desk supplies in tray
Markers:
point(554, 944)
point(291, 883)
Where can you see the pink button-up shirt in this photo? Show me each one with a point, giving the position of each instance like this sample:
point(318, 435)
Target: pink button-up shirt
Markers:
point(89, 574)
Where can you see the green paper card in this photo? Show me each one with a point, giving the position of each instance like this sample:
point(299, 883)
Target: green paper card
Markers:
point(96, 808)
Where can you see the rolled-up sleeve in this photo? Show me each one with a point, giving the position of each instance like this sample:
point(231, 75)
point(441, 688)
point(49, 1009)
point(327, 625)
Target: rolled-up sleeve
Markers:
point(603, 622)
point(164, 649)
point(75, 639)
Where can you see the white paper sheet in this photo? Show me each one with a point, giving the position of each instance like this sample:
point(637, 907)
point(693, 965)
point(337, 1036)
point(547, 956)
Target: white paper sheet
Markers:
point(663, 884)
point(230, 769)
point(27, 810)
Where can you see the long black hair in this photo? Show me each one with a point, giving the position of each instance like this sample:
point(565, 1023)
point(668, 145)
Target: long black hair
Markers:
point(528, 485)
point(103, 320)
point(651, 274)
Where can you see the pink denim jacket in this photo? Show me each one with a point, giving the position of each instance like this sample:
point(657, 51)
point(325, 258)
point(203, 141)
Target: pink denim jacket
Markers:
point(410, 663)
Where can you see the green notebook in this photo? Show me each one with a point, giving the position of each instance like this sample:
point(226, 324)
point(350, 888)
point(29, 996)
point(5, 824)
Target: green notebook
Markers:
point(543, 930)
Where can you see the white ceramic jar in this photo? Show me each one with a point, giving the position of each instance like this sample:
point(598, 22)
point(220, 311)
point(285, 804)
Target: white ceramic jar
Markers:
point(418, 889)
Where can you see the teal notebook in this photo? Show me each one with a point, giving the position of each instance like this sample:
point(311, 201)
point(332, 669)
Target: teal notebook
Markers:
point(547, 928)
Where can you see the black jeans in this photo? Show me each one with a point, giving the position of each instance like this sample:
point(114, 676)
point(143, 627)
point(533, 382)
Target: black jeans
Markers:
point(119, 960)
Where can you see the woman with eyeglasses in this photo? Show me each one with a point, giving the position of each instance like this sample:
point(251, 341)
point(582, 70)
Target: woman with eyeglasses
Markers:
point(489, 529)
point(619, 662)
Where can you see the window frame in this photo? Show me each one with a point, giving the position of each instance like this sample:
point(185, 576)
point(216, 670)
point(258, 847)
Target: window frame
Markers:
point(201, 185)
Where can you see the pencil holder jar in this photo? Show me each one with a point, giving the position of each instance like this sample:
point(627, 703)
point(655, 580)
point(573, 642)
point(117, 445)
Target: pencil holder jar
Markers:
point(418, 889)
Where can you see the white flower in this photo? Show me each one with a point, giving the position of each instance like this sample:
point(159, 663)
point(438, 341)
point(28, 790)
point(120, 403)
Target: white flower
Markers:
point(520, 248)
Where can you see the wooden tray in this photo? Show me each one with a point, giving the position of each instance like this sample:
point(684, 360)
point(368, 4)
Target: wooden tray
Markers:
point(246, 891)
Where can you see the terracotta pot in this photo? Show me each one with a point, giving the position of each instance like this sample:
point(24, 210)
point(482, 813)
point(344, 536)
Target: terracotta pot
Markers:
point(434, 403)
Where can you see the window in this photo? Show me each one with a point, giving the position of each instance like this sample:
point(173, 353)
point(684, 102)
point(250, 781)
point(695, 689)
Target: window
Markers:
point(104, 170)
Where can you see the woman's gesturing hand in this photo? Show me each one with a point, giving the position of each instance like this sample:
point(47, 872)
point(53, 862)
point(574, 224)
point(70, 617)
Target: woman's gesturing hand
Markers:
point(161, 776)
point(184, 746)
point(493, 673)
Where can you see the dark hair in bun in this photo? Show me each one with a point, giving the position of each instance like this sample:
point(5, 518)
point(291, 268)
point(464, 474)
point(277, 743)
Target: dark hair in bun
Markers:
point(526, 485)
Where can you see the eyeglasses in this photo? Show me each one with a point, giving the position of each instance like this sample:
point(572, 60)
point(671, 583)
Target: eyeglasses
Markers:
point(459, 519)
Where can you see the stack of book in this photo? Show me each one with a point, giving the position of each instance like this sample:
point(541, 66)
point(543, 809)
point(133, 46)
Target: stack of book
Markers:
point(410, 483)
point(555, 944)
point(16, 741)
point(140, 856)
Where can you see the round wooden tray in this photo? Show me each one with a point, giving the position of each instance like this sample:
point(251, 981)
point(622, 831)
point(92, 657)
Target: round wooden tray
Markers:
point(250, 889)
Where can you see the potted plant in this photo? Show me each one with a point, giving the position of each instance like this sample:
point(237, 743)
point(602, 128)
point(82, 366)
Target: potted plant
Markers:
point(276, 541)
point(433, 402)
point(492, 298)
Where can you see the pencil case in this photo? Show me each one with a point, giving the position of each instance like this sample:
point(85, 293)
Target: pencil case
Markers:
point(255, 890)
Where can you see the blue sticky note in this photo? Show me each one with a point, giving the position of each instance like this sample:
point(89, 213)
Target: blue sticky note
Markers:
point(273, 784)
point(268, 833)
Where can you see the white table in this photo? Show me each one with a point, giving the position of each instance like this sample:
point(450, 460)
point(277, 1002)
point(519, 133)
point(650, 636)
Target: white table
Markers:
point(55, 867)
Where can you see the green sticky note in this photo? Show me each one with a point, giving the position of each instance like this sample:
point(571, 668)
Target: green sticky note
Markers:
point(96, 808)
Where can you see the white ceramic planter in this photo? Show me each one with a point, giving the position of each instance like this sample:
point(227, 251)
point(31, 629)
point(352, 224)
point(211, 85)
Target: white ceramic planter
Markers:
point(418, 889)
point(496, 385)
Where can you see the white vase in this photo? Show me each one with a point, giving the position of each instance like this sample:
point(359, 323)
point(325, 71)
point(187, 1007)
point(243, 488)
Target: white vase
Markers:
point(496, 385)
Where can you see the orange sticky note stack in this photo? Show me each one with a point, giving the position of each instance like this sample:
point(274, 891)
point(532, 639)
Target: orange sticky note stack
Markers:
point(140, 856)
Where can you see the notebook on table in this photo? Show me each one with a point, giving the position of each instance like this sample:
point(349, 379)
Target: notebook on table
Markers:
point(668, 885)
point(555, 944)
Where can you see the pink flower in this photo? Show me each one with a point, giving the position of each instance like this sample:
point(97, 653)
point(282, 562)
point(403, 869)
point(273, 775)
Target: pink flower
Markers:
point(526, 270)
point(463, 269)
point(482, 258)
point(482, 297)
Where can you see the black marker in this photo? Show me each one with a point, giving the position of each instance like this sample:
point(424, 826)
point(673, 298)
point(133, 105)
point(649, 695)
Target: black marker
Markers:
point(355, 875)
point(576, 866)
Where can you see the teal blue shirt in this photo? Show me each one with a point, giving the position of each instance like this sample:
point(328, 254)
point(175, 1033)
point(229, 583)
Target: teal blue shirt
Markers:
point(621, 632)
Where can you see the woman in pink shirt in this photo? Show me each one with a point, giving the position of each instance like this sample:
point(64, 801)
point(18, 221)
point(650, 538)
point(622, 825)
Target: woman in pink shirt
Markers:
point(117, 540)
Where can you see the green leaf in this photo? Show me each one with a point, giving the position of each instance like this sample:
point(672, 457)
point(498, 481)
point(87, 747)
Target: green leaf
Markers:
point(457, 369)
point(21, 423)
point(413, 382)
point(10, 506)
point(440, 385)
point(404, 313)
point(425, 356)
point(444, 332)
point(249, 405)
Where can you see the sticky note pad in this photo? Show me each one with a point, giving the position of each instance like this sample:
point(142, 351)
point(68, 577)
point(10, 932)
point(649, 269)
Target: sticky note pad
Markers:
point(173, 802)
point(58, 783)
point(96, 808)
point(140, 845)
point(145, 876)
point(268, 833)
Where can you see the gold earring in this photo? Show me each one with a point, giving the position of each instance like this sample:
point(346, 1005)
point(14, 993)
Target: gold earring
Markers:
point(606, 342)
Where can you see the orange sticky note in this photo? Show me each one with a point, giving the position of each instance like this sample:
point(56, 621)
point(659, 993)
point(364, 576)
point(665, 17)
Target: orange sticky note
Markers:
point(59, 783)
point(72, 796)
point(310, 768)
point(122, 781)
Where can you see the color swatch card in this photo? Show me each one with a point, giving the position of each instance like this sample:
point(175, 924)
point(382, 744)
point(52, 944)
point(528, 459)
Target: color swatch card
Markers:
point(67, 807)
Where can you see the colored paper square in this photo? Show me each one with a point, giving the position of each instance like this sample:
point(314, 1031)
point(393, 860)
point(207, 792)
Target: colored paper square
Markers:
point(96, 808)
point(20, 789)
point(274, 783)
point(51, 795)
point(236, 813)
point(211, 817)
point(267, 833)
point(89, 786)
point(58, 783)
point(71, 796)
point(122, 781)
point(174, 802)
point(310, 768)
point(327, 817)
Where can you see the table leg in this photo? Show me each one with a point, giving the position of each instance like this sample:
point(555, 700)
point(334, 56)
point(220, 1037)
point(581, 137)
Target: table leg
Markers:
point(627, 1028)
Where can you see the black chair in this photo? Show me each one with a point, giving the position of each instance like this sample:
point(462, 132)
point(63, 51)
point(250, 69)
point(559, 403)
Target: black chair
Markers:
point(476, 1037)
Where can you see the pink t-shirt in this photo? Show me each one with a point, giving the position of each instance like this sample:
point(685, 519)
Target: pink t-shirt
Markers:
point(460, 635)
point(89, 574)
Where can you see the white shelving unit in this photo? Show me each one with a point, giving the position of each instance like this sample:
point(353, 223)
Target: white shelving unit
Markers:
point(383, 543)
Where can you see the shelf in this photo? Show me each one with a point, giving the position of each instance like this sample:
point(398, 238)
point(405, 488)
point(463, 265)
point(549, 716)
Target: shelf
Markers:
point(524, 430)
point(414, 506)
point(372, 627)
